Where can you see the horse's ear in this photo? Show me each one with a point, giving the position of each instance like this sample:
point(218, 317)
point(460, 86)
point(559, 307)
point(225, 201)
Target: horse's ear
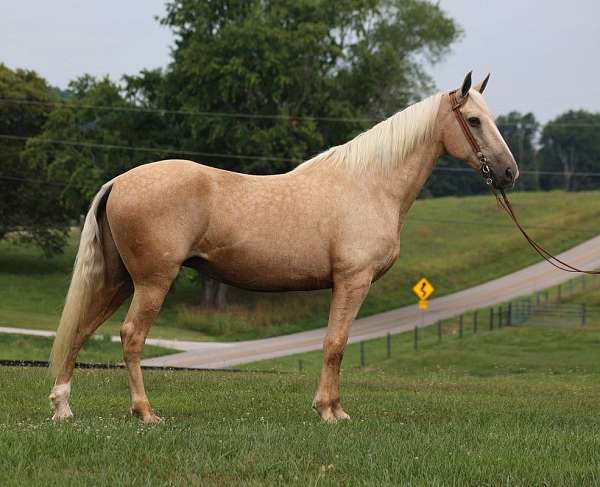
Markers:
point(482, 84)
point(466, 85)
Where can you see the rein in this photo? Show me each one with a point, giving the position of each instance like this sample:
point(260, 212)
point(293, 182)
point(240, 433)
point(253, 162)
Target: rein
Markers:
point(503, 201)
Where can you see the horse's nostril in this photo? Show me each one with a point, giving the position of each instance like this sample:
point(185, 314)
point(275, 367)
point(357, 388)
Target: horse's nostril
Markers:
point(509, 174)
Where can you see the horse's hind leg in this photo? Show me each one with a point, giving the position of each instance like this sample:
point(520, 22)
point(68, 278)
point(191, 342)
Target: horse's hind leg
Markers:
point(117, 288)
point(106, 303)
point(148, 297)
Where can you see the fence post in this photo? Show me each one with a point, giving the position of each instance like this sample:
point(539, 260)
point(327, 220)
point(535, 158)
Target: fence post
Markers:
point(389, 345)
point(475, 322)
point(500, 316)
point(300, 365)
point(509, 317)
point(583, 314)
point(491, 319)
point(460, 326)
point(537, 298)
point(362, 354)
point(439, 331)
point(416, 341)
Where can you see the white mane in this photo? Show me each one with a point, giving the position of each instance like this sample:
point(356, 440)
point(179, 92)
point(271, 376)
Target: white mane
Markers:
point(387, 144)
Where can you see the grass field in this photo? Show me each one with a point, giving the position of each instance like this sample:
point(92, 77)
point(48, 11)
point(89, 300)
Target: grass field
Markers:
point(97, 350)
point(455, 242)
point(516, 406)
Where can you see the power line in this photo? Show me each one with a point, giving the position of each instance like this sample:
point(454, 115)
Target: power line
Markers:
point(96, 145)
point(31, 180)
point(164, 111)
point(167, 150)
point(209, 114)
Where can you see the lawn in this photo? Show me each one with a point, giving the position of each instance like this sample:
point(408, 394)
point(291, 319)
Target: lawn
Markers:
point(515, 406)
point(96, 350)
point(455, 242)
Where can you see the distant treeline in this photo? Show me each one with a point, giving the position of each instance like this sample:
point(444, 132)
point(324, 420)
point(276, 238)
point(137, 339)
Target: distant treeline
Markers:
point(254, 86)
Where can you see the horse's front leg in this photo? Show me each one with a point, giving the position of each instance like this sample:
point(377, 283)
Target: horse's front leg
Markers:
point(348, 295)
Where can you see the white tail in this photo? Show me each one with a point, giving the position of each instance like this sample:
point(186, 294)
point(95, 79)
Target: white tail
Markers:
point(88, 278)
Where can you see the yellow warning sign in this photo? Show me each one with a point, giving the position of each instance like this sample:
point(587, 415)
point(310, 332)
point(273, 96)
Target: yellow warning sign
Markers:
point(423, 289)
point(423, 303)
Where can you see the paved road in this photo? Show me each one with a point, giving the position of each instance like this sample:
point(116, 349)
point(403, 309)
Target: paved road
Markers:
point(525, 281)
point(219, 355)
point(182, 345)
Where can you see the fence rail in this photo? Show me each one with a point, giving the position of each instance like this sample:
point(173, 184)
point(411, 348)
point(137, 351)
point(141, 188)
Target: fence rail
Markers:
point(546, 307)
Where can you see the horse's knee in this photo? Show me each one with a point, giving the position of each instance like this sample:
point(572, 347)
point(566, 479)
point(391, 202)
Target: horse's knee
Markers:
point(132, 340)
point(333, 350)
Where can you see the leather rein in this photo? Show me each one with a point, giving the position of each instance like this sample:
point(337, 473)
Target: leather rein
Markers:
point(503, 201)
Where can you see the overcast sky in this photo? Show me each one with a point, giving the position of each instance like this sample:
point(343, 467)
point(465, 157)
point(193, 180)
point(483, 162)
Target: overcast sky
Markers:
point(543, 54)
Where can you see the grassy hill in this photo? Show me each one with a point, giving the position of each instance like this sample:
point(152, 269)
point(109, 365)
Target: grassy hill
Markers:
point(97, 350)
point(516, 406)
point(455, 242)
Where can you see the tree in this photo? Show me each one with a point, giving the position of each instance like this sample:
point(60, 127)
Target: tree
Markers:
point(571, 143)
point(520, 132)
point(92, 138)
point(30, 211)
point(280, 62)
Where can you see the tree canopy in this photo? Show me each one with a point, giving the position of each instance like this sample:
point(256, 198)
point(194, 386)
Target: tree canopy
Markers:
point(520, 132)
point(30, 209)
point(291, 66)
point(571, 144)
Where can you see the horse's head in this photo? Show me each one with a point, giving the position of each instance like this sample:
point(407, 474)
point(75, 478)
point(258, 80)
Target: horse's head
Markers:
point(469, 133)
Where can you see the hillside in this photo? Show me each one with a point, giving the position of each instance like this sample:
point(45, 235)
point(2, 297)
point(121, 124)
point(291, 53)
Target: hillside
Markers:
point(455, 242)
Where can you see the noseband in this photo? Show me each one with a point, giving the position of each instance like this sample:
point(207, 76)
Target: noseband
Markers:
point(503, 202)
point(483, 168)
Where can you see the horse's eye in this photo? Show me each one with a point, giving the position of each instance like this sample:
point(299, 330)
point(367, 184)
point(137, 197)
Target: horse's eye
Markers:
point(474, 121)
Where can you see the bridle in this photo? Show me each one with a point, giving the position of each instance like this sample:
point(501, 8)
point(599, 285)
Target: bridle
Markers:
point(484, 168)
point(503, 201)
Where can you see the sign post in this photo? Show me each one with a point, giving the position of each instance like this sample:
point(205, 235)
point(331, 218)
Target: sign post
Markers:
point(423, 289)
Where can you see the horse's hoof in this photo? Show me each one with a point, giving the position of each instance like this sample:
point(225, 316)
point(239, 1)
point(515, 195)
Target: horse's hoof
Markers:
point(62, 414)
point(330, 414)
point(151, 419)
point(341, 415)
point(327, 416)
point(147, 416)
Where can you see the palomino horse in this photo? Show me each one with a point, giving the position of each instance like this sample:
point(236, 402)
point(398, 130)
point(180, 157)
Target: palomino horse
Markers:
point(333, 222)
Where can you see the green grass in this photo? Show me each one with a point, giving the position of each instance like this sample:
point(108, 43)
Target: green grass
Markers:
point(455, 242)
point(568, 303)
point(583, 290)
point(96, 350)
point(517, 406)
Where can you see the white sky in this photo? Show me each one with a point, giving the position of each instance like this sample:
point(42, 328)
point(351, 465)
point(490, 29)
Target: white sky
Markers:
point(543, 54)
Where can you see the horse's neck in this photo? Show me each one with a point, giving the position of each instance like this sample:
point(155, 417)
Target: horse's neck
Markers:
point(403, 183)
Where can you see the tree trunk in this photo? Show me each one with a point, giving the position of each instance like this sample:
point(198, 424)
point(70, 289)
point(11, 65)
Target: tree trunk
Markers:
point(221, 295)
point(568, 162)
point(215, 293)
